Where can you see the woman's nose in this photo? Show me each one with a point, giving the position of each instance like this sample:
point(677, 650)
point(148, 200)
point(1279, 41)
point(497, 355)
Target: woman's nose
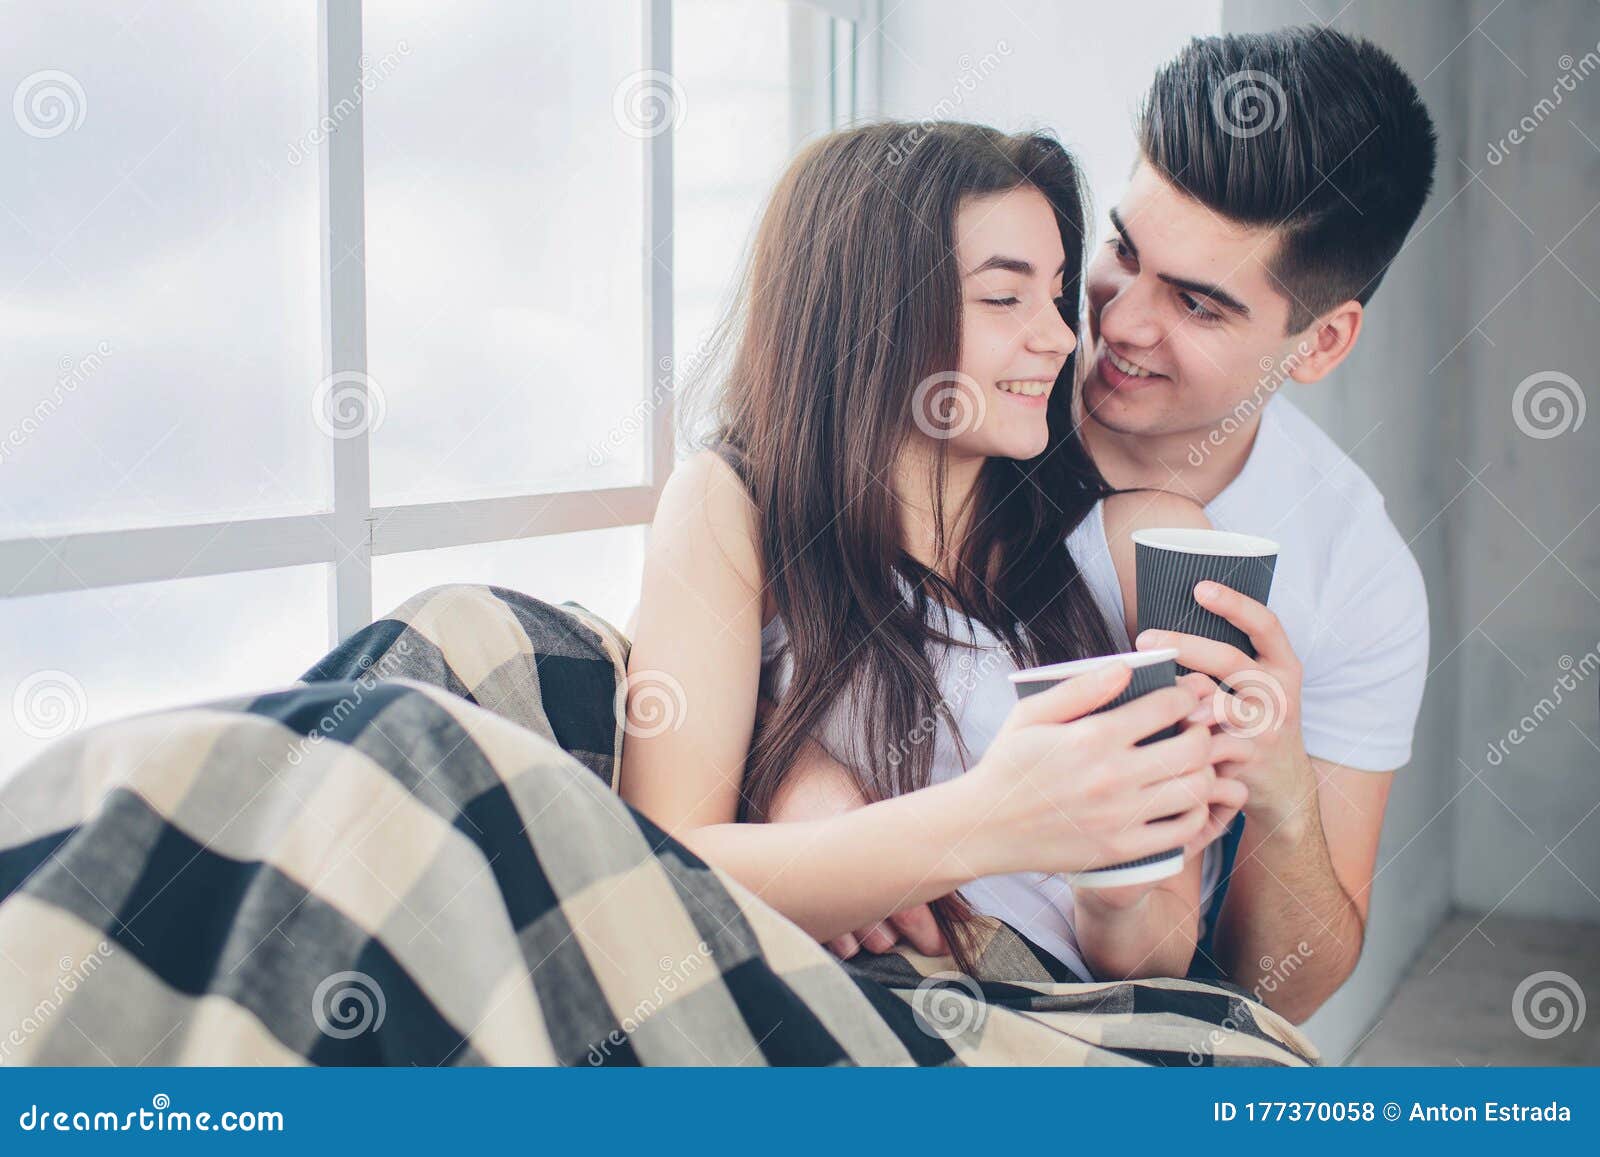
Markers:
point(1050, 333)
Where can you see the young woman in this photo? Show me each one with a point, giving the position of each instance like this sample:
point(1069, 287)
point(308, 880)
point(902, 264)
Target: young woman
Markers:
point(878, 536)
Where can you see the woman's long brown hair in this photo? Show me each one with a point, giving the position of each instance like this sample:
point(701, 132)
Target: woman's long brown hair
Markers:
point(851, 298)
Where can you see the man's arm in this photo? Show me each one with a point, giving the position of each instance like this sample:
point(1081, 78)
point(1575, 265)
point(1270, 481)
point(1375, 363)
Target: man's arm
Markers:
point(1293, 924)
point(1304, 870)
point(1141, 930)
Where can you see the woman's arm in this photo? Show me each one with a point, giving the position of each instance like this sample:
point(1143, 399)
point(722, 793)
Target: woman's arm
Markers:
point(693, 675)
point(697, 653)
point(817, 787)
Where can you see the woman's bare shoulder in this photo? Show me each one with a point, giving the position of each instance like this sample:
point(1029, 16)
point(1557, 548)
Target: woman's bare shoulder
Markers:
point(706, 518)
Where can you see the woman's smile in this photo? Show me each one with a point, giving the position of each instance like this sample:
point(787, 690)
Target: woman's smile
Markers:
point(1026, 391)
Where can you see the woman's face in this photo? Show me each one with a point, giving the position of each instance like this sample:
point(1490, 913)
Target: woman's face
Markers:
point(1013, 341)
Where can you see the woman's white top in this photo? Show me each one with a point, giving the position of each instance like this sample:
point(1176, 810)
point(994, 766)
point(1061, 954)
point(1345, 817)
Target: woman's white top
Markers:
point(979, 696)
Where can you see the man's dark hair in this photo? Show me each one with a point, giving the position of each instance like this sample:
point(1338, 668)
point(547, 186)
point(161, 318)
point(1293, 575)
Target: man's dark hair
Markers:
point(1317, 133)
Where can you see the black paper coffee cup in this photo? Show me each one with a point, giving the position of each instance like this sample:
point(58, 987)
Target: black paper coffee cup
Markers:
point(1152, 670)
point(1168, 564)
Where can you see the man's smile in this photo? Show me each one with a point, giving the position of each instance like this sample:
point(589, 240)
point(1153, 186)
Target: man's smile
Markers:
point(1118, 373)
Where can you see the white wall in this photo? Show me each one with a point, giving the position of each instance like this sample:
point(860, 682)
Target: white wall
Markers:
point(1078, 69)
point(1500, 284)
point(1526, 615)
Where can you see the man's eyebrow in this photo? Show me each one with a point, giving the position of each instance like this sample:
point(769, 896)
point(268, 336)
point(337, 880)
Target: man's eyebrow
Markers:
point(1210, 292)
point(1010, 265)
point(1203, 288)
point(1122, 231)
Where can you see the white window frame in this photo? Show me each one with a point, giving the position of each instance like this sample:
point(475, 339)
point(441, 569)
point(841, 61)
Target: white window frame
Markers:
point(353, 531)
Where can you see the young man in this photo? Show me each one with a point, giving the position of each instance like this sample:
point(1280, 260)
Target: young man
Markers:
point(1279, 175)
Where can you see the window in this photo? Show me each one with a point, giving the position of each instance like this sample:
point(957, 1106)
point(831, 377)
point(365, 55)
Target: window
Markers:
point(309, 306)
point(81, 657)
point(159, 269)
point(504, 338)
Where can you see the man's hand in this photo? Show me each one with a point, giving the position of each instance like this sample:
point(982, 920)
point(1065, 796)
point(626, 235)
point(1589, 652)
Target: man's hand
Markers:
point(1263, 709)
point(1225, 797)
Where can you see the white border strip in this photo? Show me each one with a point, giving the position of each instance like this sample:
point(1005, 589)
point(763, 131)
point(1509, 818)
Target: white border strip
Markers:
point(344, 306)
point(428, 526)
point(83, 561)
point(1197, 540)
point(659, 363)
point(1058, 671)
point(75, 562)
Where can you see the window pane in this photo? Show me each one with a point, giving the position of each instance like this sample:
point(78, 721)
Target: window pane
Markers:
point(601, 569)
point(159, 264)
point(505, 209)
point(755, 78)
point(81, 658)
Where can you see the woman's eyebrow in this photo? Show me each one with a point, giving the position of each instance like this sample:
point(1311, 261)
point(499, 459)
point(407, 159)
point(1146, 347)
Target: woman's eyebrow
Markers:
point(1010, 265)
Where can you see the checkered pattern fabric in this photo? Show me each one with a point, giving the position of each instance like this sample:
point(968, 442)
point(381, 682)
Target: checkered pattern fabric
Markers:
point(417, 857)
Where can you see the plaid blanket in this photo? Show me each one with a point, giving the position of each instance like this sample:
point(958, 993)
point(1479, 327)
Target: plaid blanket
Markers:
point(416, 857)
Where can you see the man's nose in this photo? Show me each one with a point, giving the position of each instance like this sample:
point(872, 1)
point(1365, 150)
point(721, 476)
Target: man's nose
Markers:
point(1129, 318)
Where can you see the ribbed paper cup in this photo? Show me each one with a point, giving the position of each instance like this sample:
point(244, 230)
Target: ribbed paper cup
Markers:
point(1152, 670)
point(1168, 564)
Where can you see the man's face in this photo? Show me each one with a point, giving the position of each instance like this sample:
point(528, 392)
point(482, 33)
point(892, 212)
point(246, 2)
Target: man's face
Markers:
point(1187, 296)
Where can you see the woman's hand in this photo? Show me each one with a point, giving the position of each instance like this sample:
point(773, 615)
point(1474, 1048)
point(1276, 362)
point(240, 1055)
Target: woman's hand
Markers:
point(1227, 799)
point(1060, 790)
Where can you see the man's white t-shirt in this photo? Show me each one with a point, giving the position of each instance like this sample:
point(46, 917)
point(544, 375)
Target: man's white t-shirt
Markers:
point(1346, 588)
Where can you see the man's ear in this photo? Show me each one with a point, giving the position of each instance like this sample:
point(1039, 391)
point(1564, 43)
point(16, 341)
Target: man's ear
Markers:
point(1326, 342)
